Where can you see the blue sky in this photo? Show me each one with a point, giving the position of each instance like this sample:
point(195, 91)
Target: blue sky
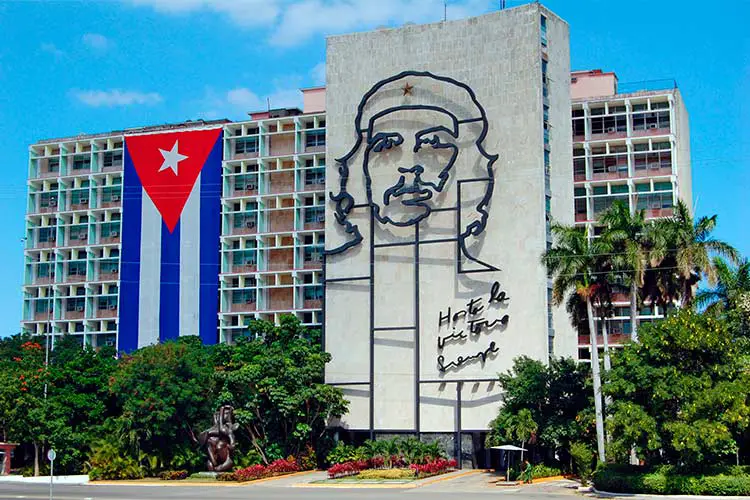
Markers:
point(70, 67)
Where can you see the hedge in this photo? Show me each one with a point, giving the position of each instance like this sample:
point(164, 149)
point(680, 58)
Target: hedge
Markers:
point(666, 481)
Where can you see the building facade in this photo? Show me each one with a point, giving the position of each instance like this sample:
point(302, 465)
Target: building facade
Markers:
point(630, 143)
point(451, 157)
point(272, 182)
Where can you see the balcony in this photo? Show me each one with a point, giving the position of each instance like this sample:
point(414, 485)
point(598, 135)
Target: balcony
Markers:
point(651, 130)
point(243, 268)
point(75, 277)
point(244, 187)
point(653, 170)
point(281, 182)
point(619, 173)
point(243, 223)
point(76, 313)
point(280, 299)
point(76, 240)
point(107, 312)
point(659, 212)
point(247, 306)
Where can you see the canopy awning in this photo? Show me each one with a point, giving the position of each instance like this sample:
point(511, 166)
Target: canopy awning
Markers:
point(508, 447)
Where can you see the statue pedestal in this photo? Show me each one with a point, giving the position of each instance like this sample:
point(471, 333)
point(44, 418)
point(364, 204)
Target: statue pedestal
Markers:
point(205, 474)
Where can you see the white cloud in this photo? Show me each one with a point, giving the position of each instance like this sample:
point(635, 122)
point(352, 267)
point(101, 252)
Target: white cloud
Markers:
point(237, 102)
point(304, 19)
point(115, 97)
point(97, 42)
point(51, 48)
point(245, 13)
point(318, 74)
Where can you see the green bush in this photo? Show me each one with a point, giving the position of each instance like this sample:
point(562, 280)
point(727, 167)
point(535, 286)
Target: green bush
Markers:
point(108, 462)
point(342, 453)
point(540, 470)
point(174, 475)
point(664, 481)
point(386, 474)
point(583, 456)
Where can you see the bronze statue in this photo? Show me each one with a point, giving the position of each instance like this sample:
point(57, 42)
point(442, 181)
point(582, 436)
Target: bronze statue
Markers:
point(219, 440)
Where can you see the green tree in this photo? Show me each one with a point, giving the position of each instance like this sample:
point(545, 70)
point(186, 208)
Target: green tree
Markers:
point(627, 233)
point(556, 398)
point(681, 255)
point(731, 291)
point(165, 393)
point(575, 262)
point(681, 392)
point(274, 380)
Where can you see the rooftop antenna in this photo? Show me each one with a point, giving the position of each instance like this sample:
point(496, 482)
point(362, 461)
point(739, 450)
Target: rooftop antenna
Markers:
point(268, 103)
point(502, 4)
point(445, 10)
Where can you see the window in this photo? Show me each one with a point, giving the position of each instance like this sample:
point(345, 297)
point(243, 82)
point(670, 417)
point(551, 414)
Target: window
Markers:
point(243, 296)
point(103, 303)
point(42, 305)
point(72, 305)
point(48, 200)
point(619, 189)
point(647, 121)
point(315, 176)
point(313, 292)
point(660, 105)
point(580, 206)
point(247, 182)
point(79, 232)
point(616, 109)
point(47, 234)
point(609, 124)
point(80, 197)
point(639, 107)
point(110, 230)
point(81, 162)
point(244, 258)
point(77, 269)
point(112, 159)
point(579, 127)
point(110, 194)
point(544, 31)
point(579, 167)
point(315, 138)
point(642, 188)
point(314, 214)
point(109, 266)
point(45, 270)
point(579, 191)
point(246, 145)
point(313, 254)
point(662, 186)
point(600, 190)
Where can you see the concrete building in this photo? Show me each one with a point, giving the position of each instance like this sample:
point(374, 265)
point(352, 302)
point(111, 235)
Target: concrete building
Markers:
point(452, 154)
point(631, 143)
point(273, 175)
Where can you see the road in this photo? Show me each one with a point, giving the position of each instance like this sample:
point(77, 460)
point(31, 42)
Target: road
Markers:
point(471, 487)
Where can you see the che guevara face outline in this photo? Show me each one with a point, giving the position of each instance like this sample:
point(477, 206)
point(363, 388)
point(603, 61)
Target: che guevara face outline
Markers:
point(408, 160)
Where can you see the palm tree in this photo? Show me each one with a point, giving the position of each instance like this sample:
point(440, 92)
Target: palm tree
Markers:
point(574, 261)
point(681, 253)
point(525, 427)
point(732, 283)
point(626, 232)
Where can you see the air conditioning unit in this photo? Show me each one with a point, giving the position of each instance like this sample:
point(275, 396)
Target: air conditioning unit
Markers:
point(652, 125)
point(84, 201)
point(114, 234)
point(115, 197)
point(53, 203)
point(249, 301)
point(321, 218)
point(316, 257)
point(112, 307)
point(115, 271)
point(610, 130)
point(83, 236)
point(51, 237)
point(653, 166)
point(79, 309)
point(250, 224)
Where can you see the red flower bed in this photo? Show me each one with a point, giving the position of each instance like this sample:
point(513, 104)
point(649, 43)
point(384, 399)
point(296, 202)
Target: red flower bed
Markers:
point(276, 468)
point(435, 467)
point(348, 468)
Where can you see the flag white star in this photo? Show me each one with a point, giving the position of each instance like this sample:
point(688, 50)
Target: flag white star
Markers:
point(171, 158)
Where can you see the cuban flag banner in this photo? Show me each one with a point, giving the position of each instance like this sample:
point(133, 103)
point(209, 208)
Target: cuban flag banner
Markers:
point(171, 218)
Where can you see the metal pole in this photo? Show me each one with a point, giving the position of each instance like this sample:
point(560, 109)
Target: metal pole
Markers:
point(49, 332)
point(51, 476)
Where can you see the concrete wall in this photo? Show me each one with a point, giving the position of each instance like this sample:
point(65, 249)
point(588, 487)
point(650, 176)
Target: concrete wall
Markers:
point(682, 131)
point(591, 84)
point(499, 57)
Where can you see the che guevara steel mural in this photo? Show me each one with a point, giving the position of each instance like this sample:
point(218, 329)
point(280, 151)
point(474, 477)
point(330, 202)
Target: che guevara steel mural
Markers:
point(414, 132)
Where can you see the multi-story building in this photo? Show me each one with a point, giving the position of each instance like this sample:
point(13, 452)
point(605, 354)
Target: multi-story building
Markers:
point(630, 143)
point(272, 225)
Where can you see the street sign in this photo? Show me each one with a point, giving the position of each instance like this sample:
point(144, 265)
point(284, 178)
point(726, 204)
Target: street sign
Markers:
point(51, 455)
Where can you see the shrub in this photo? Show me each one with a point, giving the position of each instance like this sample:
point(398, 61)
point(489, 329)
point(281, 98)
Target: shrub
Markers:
point(250, 473)
point(433, 468)
point(347, 469)
point(282, 466)
point(174, 475)
point(541, 470)
point(342, 453)
point(664, 481)
point(386, 474)
point(108, 462)
point(226, 476)
point(583, 456)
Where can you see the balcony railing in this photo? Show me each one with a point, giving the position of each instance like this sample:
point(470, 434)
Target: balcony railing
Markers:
point(248, 306)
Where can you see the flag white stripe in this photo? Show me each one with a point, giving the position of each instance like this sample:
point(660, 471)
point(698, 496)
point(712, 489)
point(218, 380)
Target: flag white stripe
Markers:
point(149, 286)
point(190, 257)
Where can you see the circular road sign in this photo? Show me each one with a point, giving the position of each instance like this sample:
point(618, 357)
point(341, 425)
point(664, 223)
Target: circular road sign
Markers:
point(51, 455)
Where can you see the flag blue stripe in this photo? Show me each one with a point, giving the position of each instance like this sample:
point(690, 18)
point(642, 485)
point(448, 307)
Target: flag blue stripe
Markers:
point(169, 290)
point(130, 257)
point(210, 238)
